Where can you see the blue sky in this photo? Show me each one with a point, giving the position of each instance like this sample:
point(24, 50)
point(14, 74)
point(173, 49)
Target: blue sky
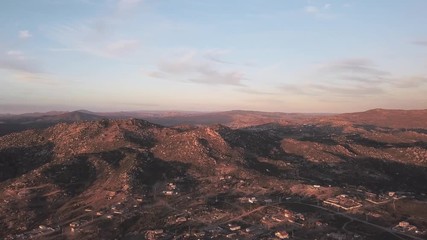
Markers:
point(281, 55)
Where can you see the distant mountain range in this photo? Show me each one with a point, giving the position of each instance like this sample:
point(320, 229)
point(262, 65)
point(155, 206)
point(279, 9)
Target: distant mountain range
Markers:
point(233, 119)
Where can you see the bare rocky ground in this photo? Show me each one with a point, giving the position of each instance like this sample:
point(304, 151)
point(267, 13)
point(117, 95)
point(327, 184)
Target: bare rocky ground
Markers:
point(323, 178)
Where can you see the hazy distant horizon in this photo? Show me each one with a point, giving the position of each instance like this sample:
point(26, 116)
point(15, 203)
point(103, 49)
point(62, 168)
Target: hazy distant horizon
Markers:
point(285, 56)
point(14, 110)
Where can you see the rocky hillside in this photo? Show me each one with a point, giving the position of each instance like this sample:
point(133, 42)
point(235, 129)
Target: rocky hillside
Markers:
point(110, 177)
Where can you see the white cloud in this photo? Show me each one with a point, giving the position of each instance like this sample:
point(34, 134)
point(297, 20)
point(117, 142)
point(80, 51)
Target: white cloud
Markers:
point(25, 68)
point(18, 61)
point(16, 54)
point(87, 37)
point(122, 47)
point(311, 9)
point(24, 34)
point(215, 77)
point(127, 5)
point(199, 67)
point(323, 11)
point(98, 36)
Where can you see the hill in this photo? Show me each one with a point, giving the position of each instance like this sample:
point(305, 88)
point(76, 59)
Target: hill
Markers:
point(133, 179)
point(387, 118)
point(22, 122)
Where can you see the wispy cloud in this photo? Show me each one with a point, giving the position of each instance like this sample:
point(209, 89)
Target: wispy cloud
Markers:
point(42, 78)
point(353, 65)
point(195, 66)
point(16, 60)
point(411, 82)
point(122, 47)
point(353, 70)
point(98, 36)
point(212, 76)
point(311, 9)
point(25, 68)
point(16, 54)
point(319, 10)
point(299, 89)
point(93, 38)
point(351, 78)
point(24, 34)
point(217, 55)
point(420, 42)
point(253, 91)
point(124, 6)
point(359, 90)
point(324, 89)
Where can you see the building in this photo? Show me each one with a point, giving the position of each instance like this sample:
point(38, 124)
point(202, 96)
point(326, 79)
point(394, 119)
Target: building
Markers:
point(404, 226)
point(282, 234)
point(234, 227)
point(343, 201)
point(168, 193)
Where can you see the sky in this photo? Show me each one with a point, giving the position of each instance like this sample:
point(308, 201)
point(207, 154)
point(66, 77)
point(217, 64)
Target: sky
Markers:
point(203, 55)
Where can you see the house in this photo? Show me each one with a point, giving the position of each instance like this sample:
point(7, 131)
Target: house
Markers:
point(282, 234)
point(74, 224)
point(234, 227)
point(171, 186)
point(288, 213)
point(321, 224)
point(181, 219)
point(252, 200)
point(252, 229)
point(403, 224)
point(111, 194)
point(299, 216)
point(168, 193)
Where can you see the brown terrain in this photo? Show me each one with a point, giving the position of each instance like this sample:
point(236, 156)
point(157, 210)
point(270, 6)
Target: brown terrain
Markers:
point(228, 175)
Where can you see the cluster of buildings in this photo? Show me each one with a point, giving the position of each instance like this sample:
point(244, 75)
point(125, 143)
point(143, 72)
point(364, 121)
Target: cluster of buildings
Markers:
point(285, 216)
point(265, 200)
point(386, 197)
point(404, 226)
point(170, 189)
